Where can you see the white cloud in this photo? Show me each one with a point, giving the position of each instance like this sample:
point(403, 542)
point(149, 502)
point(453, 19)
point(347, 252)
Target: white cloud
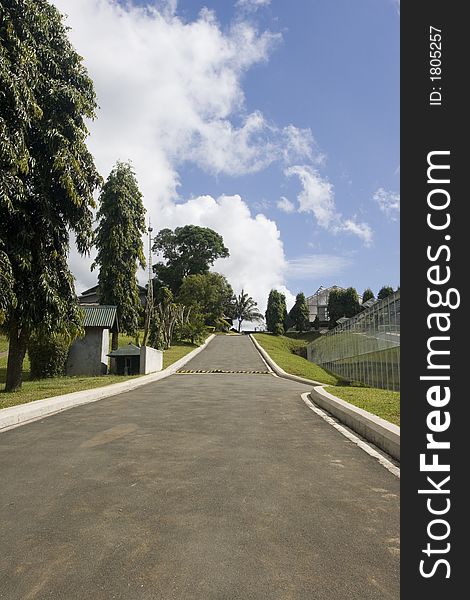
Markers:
point(362, 230)
point(389, 203)
point(317, 197)
point(169, 92)
point(252, 4)
point(285, 205)
point(316, 265)
point(256, 262)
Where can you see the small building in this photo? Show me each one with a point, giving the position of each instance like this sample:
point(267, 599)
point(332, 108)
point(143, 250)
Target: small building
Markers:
point(90, 296)
point(127, 360)
point(88, 355)
point(132, 360)
point(318, 304)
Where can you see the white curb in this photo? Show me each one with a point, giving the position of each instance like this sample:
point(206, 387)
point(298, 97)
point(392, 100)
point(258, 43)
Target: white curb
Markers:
point(380, 432)
point(15, 416)
point(277, 369)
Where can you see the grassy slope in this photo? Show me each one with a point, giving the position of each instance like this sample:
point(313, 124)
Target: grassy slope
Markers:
point(46, 388)
point(281, 348)
point(383, 403)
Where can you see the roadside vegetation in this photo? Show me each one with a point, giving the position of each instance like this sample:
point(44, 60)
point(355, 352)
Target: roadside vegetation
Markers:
point(383, 403)
point(282, 349)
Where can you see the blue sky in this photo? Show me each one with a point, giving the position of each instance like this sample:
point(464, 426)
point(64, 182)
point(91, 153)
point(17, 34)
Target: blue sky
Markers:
point(320, 77)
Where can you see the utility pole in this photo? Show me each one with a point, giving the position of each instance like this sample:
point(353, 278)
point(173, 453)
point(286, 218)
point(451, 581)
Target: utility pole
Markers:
point(149, 301)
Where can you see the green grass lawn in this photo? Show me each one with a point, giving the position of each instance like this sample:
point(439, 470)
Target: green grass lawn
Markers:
point(281, 349)
point(47, 388)
point(383, 403)
point(3, 343)
point(55, 386)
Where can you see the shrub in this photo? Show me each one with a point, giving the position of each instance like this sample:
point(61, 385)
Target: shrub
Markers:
point(48, 356)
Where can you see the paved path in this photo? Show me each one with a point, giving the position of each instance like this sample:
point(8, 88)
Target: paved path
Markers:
point(204, 487)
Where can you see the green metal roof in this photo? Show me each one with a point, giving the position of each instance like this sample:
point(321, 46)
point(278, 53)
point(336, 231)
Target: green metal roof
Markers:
point(99, 315)
point(129, 350)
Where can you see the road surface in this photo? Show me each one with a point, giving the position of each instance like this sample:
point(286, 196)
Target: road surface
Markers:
point(199, 486)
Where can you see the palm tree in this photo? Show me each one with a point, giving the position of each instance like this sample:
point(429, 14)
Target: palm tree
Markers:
point(244, 309)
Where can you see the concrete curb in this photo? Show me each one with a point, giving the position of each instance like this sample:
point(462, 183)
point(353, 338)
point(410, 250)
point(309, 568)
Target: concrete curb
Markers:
point(15, 416)
point(277, 369)
point(383, 434)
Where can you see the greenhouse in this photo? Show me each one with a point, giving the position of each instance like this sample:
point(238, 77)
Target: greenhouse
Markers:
point(364, 348)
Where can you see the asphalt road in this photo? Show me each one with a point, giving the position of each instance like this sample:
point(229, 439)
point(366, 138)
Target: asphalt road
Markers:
point(204, 486)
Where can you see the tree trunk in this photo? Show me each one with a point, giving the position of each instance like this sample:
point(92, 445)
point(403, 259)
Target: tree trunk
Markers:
point(239, 325)
point(16, 353)
point(115, 340)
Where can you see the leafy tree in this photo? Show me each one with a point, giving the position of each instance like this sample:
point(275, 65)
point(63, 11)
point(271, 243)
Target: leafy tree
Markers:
point(316, 323)
point(342, 303)
point(118, 239)
point(193, 329)
point(6, 286)
point(47, 175)
point(276, 313)
point(299, 314)
point(245, 309)
point(189, 250)
point(367, 295)
point(385, 291)
point(168, 317)
point(209, 294)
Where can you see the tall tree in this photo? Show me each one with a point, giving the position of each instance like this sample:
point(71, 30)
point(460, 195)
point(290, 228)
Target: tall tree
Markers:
point(47, 175)
point(245, 309)
point(188, 250)
point(385, 291)
point(342, 303)
point(118, 239)
point(209, 294)
point(6, 285)
point(299, 314)
point(367, 295)
point(276, 313)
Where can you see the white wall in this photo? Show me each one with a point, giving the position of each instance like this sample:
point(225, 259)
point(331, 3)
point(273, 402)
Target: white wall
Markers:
point(87, 355)
point(151, 360)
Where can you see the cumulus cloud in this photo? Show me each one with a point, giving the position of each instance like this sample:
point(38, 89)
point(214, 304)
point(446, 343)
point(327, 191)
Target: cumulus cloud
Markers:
point(317, 197)
point(389, 203)
point(317, 265)
point(170, 92)
point(285, 205)
point(167, 90)
point(256, 262)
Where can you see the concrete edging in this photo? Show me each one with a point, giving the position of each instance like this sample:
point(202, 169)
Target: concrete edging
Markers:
point(380, 432)
point(383, 434)
point(14, 416)
point(277, 369)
